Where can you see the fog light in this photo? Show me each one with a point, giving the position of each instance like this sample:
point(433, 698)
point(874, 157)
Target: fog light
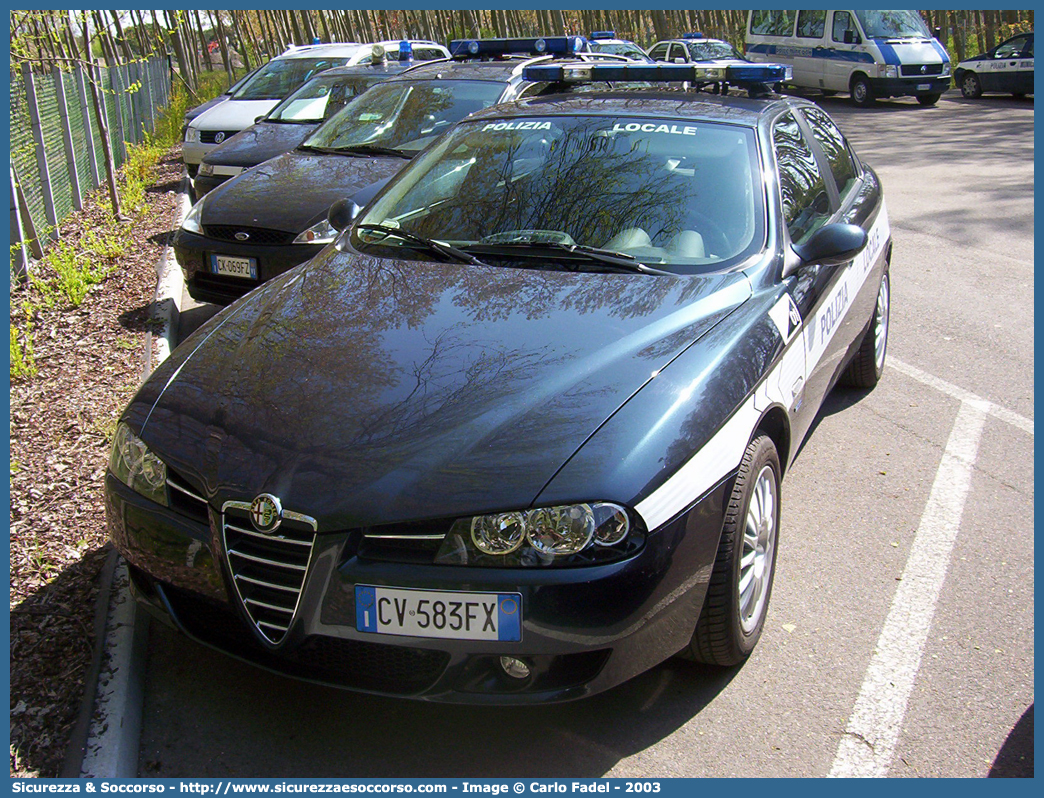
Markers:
point(515, 668)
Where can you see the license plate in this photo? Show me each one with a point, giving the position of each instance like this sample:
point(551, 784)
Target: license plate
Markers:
point(234, 267)
point(438, 613)
point(923, 86)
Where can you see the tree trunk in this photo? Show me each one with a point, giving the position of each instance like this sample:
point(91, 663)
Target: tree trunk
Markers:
point(94, 76)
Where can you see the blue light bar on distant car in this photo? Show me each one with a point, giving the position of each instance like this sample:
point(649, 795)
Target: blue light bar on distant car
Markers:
point(543, 45)
point(693, 35)
point(405, 50)
point(736, 74)
point(603, 34)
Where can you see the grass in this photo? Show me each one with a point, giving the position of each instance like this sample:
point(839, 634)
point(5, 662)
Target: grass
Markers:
point(68, 272)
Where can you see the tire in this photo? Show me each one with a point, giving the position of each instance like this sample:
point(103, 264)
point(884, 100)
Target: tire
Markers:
point(862, 92)
point(867, 366)
point(928, 99)
point(971, 88)
point(733, 615)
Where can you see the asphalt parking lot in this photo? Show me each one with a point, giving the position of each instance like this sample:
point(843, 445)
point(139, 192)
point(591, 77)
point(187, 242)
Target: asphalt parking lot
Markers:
point(900, 637)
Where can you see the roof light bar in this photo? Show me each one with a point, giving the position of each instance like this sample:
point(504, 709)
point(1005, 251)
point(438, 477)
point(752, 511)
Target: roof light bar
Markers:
point(602, 34)
point(405, 50)
point(694, 35)
point(735, 74)
point(542, 45)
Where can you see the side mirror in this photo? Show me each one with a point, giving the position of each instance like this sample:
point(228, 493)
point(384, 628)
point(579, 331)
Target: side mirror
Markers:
point(342, 213)
point(259, 118)
point(851, 37)
point(832, 244)
point(679, 59)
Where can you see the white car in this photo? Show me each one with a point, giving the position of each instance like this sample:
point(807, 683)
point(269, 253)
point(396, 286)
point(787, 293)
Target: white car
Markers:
point(274, 81)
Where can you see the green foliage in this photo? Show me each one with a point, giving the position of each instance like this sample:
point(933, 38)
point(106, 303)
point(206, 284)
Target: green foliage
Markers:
point(23, 362)
point(76, 271)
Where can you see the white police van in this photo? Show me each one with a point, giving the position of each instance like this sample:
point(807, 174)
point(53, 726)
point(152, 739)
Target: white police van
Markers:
point(870, 54)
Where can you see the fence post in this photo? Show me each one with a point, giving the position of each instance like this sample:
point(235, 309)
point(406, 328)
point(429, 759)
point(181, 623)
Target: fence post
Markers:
point(146, 70)
point(41, 154)
point(130, 72)
point(117, 88)
point(67, 138)
point(20, 265)
point(88, 126)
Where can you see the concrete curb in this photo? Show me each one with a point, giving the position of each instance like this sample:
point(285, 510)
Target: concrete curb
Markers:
point(107, 738)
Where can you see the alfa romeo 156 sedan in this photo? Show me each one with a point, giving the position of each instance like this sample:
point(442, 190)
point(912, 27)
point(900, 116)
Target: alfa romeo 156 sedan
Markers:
point(518, 433)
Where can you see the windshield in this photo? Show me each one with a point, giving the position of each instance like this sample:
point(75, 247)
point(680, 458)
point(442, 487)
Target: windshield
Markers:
point(893, 25)
point(404, 116)
point(278, 78)
point(659, 191)
point(626, 49)
point(321, 97)
point(708, 51)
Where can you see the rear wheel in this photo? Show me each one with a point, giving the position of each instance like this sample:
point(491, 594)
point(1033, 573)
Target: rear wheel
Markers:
point(867, 366)
point(928, 99)
point(734, 610)
point(971, 88)
point(862, 92)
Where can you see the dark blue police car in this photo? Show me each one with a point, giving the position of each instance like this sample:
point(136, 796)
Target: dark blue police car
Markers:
point(519, 434)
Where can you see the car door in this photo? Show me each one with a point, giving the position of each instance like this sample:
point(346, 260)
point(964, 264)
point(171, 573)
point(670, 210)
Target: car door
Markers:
point(840, 55)
point(810, 60)
point(1000, 72)
point(1024, 80)
point(809, 199)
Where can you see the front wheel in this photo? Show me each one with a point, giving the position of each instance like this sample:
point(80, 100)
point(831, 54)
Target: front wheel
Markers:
point(928, 99)
point(971, 88)
point(867, 366)
point(862, 92)
point(734, 610)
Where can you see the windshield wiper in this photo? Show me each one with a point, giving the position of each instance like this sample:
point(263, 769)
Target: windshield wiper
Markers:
point(373, 149)
point(430, 244)
point(320, 150)
point(621, 260)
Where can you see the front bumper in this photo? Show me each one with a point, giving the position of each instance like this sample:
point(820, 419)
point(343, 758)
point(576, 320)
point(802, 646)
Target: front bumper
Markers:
point(909, 87)
point(584, 629)
point(193, 252)
point(192, 152)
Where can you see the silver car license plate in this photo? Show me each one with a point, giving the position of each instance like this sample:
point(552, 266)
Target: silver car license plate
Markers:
point(438, 613)
point(234, 267)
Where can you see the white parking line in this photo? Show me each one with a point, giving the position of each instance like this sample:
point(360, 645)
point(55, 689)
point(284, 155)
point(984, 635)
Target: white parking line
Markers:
point(870, 739)
point(1008, 416)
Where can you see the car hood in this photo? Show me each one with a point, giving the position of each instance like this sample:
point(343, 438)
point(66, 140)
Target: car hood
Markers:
point(364, 391)
point(258, 143)
point(305, 184)
point(192, 113)
point(233, 114)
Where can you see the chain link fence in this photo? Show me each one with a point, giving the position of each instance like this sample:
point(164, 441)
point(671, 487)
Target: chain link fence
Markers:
point(56, 145)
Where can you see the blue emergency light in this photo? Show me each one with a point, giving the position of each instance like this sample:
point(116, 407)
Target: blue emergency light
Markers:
point(740, 75)
point(602, 34)
point(693, 35)
point(405, 50)
point(541, 45)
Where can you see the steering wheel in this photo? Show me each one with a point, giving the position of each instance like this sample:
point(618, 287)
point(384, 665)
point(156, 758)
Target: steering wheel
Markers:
point(718, 242)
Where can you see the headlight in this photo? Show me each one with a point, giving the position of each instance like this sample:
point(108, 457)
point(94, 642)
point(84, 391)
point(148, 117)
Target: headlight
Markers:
point(192, 135)
point(321, 233)
point(136, 467)
point(574, 534)
point(193, 221)
point(946, 69)
point(888, 71)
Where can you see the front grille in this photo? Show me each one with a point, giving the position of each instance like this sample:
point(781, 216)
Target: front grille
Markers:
point(914, 70)
point(268, 571)
point(348, 663)
point(183, 499)
point(210, 136)
point(257, 235)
